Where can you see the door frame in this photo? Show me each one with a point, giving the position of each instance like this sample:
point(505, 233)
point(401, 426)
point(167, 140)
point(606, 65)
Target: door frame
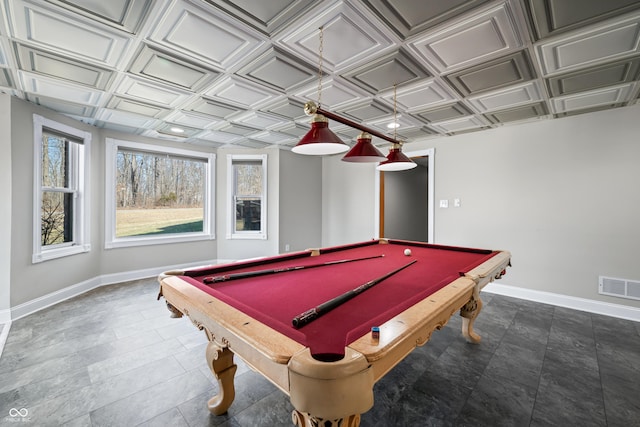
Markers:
point(430, 153)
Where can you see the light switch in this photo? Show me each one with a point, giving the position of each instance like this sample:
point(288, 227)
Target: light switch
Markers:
point(456, 203)
point(444, 203)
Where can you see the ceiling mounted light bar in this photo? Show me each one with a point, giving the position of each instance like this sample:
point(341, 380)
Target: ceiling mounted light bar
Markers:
point(395, 161)
point(320, 140)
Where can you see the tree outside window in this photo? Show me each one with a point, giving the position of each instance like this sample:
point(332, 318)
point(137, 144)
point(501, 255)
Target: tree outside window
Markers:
point(157, 194)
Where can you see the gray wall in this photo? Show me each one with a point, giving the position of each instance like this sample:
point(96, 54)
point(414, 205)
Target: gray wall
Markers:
point(561, 195)
point(348, 201)
point(5, 208)
point(300, 207)
point(29, 281)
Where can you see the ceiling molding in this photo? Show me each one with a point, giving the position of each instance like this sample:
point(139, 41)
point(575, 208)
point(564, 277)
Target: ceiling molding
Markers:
point(236, 73)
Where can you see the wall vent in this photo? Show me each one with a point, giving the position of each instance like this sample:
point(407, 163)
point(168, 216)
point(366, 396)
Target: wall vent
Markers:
point(622, 288)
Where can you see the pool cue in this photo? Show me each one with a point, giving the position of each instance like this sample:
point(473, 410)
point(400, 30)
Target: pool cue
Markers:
point(244, 275)
point(312, 314)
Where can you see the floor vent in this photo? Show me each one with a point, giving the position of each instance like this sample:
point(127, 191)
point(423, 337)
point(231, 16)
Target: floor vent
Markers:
point(622, 288)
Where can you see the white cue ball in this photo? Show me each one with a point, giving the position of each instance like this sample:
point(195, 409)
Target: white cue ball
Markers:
point(407, 252)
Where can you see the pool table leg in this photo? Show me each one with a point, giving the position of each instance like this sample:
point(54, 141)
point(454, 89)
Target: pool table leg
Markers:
point(469, 312)
point(220, 361)
point(175, 313)
point(302, 419)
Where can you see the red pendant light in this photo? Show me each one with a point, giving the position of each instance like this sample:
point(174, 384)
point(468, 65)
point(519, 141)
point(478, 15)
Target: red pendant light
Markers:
point(396, 160)
point(364, 151)
point(320, 140)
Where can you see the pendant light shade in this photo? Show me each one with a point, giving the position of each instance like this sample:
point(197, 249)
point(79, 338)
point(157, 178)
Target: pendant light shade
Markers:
point(396, 160)
point(320, 140)
point(364, 151)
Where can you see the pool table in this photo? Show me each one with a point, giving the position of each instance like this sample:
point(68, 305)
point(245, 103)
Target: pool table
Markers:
point(329, 365)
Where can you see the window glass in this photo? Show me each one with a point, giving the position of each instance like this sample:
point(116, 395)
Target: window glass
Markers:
point(248, 195)
point(247, 189)
point(157, 194)
point(58, 192)
point(61, 215)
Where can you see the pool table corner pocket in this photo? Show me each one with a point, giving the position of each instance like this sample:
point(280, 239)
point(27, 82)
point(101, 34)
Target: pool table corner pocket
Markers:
point(339, 390)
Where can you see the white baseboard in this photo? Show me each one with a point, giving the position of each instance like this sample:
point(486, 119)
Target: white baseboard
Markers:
point(582, 304)
point(48, 300)
point(3, 335)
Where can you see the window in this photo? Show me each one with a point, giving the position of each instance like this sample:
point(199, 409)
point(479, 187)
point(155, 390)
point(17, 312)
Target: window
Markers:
point(157, 194)
point(247, 188)
point(61, 205)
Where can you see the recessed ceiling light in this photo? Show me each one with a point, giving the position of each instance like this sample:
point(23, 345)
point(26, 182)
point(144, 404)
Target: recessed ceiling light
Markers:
point(176, 130)
point(393, 125)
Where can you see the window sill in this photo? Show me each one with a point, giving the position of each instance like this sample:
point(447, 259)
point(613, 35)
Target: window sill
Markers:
point(50, 254)
point(247, 236)
point(127, 242)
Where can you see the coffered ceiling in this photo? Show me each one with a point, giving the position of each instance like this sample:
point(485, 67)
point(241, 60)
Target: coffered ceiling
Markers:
point(237, 72)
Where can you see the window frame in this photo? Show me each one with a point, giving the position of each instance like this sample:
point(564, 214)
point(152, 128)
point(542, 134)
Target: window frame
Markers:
point(79, 176)
point(232, 234)
point(112, 146)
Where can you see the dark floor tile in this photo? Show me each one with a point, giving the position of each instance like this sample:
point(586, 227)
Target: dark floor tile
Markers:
point(81, 421)
point(568, 400)
point(573, 322)
point(621, 402)
point(21, 376)
point(250, 388)
point(151, 402)
point(172, 418)
point(619, 361)
point(435, 399)
point(616, 333)
point(530, 329)
point(196, 413)
point(516, 364)
point(71, 405)
point(36, 392)
point(495, 402)
point(113, 356)
point(273, 410)
point(129, 360)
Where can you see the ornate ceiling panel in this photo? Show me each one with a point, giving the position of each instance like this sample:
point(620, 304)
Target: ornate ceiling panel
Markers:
point(238, 72)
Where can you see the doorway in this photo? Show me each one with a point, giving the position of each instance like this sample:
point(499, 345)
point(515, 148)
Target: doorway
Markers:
point(406, 200)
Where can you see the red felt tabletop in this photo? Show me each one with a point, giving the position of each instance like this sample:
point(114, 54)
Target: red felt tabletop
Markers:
point(275, 299)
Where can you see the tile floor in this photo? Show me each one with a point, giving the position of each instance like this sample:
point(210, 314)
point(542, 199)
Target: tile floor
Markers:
point(114, 357)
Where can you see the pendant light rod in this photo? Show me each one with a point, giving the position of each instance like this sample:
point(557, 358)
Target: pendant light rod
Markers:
point(310, 108)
